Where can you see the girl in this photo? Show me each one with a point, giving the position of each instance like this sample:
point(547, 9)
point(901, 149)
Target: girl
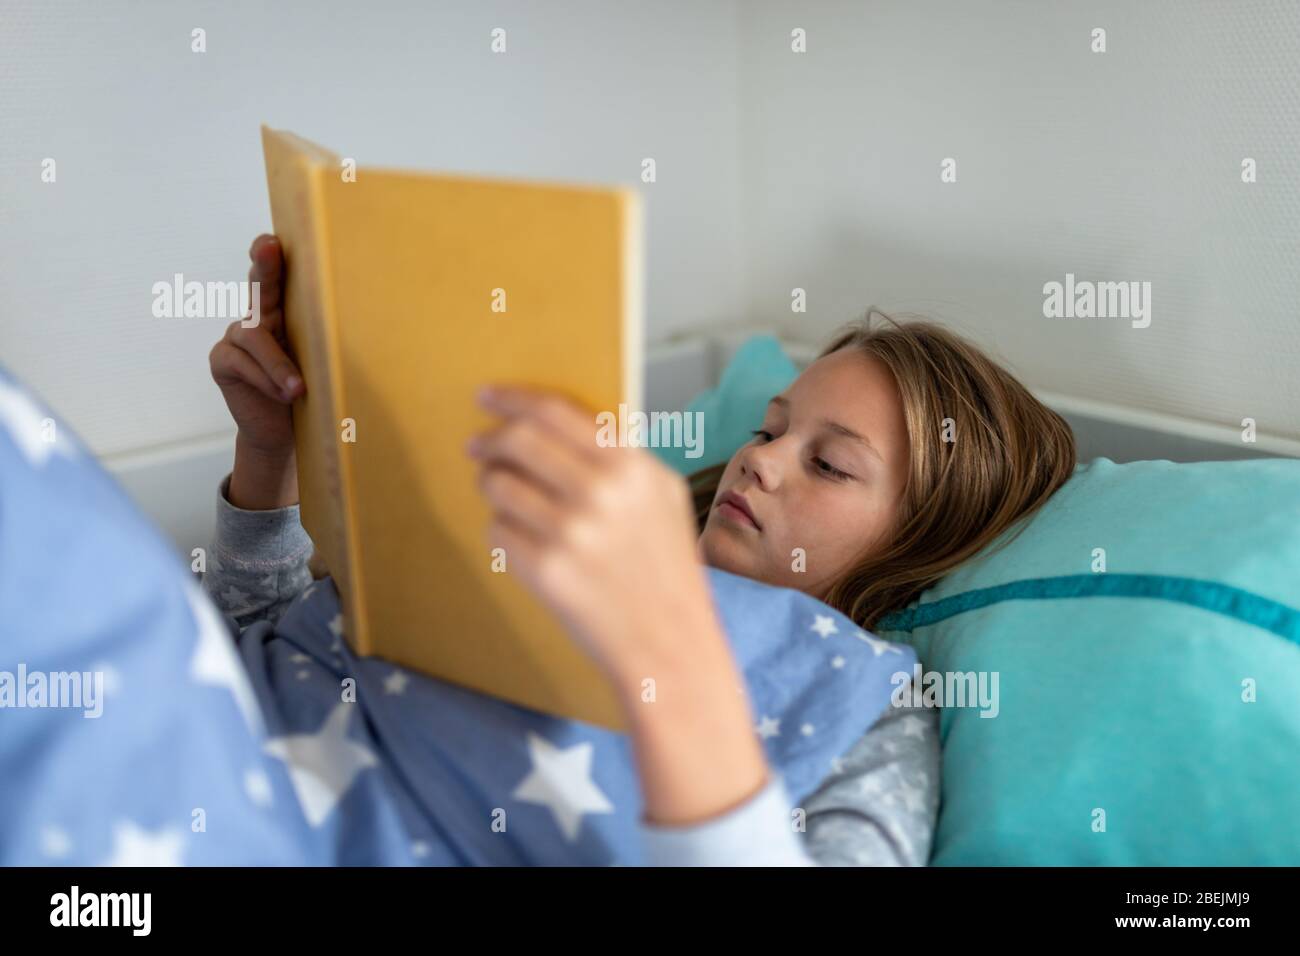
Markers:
point(899, 453)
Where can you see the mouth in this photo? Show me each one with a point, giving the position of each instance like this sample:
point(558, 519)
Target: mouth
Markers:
point(736, 509)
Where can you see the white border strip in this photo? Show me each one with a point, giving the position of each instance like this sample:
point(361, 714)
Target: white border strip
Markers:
point(139, 459)
point(1226, 435)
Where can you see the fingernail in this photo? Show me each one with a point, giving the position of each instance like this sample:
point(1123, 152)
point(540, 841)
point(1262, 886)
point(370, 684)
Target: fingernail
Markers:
point(473, 446)
point(486, 394)
point(291, 383)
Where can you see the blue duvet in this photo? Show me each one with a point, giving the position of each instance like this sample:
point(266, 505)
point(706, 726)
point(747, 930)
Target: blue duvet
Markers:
point(137, 728)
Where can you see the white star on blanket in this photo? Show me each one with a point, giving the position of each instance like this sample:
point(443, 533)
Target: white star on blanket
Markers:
point(25, 422)
point(323, 765)
point(55, 842)
point(215, 662)
point(395, 683)
point(877, 645)
point(257, 786)
point(561, 781)
point(824, 625)
point(133, 846)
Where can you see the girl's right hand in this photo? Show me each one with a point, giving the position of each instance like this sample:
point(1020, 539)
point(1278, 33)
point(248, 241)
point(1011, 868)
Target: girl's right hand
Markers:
point(259, 383)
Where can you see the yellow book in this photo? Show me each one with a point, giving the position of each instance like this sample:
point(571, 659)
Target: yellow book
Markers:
point(405, 292)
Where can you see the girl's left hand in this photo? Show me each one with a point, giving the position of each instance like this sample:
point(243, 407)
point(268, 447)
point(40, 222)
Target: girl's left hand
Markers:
point(604, 536)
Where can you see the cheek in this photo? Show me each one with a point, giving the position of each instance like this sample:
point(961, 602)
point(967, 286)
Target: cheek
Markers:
point(836, 530)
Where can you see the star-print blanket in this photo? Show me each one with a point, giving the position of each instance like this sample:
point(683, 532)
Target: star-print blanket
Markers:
point(131, 732)
point(421, 771)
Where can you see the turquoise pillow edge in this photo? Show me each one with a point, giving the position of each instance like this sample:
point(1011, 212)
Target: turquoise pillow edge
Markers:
point(758, 369)
point(1249, 605)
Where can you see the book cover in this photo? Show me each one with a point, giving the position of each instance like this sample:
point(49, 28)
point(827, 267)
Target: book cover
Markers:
point(405, 293)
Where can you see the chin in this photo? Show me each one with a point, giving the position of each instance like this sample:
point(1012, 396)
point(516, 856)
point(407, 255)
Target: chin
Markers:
point(722, 551)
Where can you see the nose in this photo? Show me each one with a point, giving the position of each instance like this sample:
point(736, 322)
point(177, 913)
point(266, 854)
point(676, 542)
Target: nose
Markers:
point(762, 464)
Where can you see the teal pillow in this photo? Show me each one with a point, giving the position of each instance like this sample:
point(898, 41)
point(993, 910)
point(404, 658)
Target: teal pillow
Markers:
point(758, 370)
point(1148, 713)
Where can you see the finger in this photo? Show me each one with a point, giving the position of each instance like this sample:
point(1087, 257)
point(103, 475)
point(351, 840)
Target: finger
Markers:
point(522, 549)
point(533, 452)
point(267, 258)
point(266, 351)
point(268, 271)
point(561, 416)
point(231, 365)
point(513, 497)
point(270, 316)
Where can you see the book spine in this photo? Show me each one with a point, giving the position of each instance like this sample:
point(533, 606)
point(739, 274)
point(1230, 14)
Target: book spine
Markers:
point(338, 451)
point(325, 431)
point(633, 282)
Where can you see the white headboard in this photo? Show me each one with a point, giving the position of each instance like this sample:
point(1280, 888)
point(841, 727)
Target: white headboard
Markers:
point(680, 369)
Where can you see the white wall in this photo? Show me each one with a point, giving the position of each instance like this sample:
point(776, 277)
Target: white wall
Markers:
point(775, 170)
point(1116, 166)
point(159, 166)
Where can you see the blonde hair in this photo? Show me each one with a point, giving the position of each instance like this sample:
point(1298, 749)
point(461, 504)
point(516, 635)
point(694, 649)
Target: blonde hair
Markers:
point(1007, 454)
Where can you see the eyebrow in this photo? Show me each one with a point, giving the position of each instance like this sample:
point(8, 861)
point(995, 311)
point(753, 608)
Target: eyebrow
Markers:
point(833, 426)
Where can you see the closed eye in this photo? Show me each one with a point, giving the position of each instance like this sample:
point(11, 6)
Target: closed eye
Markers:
point(821, 465)
point(830, 471)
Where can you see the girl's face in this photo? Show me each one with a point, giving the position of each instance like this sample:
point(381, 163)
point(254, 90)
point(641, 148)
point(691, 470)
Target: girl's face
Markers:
point(825, 475)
